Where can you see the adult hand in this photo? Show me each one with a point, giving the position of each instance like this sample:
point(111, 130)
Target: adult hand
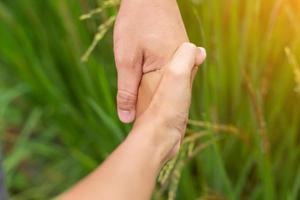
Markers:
point(146, 35)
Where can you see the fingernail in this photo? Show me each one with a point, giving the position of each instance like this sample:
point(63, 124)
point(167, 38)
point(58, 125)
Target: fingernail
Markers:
point(203, 52)
point(126, 116)
point(200, 56)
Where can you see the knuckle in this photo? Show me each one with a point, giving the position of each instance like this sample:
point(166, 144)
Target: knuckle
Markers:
point(126, 100)
point(126, 60)
point(126, 57)
point(122, 60)
point(122, 57)
point(189, 49)
point(189, 46)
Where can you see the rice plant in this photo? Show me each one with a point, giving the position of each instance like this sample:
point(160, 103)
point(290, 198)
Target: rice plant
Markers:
point(58, 119)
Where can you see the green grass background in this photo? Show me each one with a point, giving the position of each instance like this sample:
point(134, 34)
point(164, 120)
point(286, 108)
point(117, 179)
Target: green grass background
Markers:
point(58, 119)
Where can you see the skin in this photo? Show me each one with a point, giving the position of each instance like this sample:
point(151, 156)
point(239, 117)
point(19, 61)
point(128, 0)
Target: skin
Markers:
point(146, 35)
point(131, 170)
point(154, 89)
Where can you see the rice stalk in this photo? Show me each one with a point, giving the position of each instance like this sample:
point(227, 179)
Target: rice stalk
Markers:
point(188, 153)
point(258, 111)
point(166, 171)
point(170, 175)
point(262, 139)
point(201, 147)
point(100, 9)
point(102, 30)
point(293, 62)
point(212, 195)
point(175, 179)
point(189, 142)
point(220, 128)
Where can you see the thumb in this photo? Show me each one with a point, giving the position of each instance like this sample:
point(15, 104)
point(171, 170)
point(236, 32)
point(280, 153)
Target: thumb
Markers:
point(129, 77)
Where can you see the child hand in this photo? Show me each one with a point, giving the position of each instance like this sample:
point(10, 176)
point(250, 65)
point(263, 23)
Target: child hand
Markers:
point(164, 99)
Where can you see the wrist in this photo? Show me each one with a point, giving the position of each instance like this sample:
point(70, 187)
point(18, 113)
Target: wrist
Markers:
point(162, 141)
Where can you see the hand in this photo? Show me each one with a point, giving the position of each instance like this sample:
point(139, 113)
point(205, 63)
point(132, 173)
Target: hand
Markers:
point(155, 137)
point(146, 35)
point(164, 100)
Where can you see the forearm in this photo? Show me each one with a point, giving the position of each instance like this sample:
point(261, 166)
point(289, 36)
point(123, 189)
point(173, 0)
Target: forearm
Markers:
point(129, 173)
point(131, 170)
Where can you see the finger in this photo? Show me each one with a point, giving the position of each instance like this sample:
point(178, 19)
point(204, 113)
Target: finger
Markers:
point(200, 57)
point(186, 60)
point(129, 70)
point(183, 61)
point(175, 86)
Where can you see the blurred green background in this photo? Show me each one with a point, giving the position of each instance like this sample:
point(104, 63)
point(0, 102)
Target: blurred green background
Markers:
point(58, 119)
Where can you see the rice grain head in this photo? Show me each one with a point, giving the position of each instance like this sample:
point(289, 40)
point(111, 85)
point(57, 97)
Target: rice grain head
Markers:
point(293, 62)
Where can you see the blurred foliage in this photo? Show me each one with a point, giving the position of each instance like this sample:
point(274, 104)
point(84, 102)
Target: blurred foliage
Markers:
point(58, 119)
